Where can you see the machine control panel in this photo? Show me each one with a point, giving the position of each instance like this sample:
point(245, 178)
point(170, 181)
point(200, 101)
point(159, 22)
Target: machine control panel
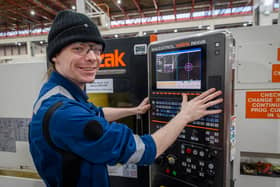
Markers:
point(190, 65)
point(204, 130)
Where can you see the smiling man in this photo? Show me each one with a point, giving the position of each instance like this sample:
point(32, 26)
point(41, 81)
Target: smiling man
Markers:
point(83, 60)
point(71, 140)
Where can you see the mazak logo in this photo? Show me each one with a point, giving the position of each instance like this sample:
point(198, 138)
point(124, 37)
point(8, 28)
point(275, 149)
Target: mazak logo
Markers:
point(183, 44)
point(114, 59)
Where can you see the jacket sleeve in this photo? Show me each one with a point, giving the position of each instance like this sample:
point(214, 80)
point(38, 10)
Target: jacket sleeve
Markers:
point(90, 136)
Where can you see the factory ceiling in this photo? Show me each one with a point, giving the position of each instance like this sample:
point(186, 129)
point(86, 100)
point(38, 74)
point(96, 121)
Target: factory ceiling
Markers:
point(18, 15)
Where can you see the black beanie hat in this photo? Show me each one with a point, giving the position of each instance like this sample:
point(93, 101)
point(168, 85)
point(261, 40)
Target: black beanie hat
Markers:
point(69, 27)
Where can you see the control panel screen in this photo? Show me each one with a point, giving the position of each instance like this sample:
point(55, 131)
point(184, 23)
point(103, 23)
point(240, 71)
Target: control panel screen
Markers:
point(179, 69)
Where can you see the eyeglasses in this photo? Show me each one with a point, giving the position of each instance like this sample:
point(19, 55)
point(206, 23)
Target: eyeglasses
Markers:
point(83, 49)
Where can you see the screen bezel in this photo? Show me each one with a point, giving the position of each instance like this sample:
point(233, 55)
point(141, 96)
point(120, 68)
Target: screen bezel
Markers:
point(203, 68)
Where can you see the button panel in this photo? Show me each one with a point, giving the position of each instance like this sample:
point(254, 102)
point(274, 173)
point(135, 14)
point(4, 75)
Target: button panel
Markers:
point(192, 161)
point(194, 154)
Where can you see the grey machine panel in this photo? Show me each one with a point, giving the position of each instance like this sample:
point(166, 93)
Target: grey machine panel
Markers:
point(200, 157)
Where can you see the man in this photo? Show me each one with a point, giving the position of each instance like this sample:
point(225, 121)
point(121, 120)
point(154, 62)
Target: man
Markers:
point(72, 141)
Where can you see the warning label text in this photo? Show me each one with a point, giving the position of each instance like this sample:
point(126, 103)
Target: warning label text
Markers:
point(265, 104)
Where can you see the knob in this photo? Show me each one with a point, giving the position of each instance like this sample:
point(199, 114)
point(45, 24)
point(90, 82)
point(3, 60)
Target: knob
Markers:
point(171, 160)
point(201, 153)
point(212, 154)
point(195, 152)
point(211, 166)
point(211, 173)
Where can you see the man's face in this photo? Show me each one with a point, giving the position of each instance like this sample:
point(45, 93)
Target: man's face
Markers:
point(79, 62)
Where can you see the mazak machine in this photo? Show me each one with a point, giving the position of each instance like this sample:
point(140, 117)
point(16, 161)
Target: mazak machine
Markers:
point(200, 157)
point(122, 81)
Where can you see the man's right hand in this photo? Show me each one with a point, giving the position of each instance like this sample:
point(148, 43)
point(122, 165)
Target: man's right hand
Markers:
point(197, 107)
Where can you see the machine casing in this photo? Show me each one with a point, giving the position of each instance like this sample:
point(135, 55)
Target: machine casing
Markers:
point(200, 157)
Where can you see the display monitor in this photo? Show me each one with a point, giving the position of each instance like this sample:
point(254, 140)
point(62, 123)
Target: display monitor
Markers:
point(179, 69)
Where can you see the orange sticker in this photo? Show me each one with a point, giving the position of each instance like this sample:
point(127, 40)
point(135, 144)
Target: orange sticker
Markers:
point(276, 73)
point(153, 38)
point(265, 104)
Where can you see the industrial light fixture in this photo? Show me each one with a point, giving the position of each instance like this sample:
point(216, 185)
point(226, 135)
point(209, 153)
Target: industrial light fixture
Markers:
point(32, 12)
point(267, 7)
point(267, 2)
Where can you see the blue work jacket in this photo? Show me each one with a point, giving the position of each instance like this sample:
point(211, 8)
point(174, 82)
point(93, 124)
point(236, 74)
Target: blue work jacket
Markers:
point(115, 144)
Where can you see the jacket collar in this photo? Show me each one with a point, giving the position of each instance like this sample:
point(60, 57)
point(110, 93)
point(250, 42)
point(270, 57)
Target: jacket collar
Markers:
point(75, 91)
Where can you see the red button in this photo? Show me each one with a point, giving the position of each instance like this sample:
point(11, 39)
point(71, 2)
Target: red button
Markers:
point(167, 171)
point(188, 150)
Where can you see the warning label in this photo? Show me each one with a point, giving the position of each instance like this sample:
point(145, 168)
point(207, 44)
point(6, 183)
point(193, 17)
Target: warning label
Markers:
point(265, 104)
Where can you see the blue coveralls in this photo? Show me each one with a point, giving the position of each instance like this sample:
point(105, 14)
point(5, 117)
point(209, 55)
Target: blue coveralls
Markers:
point(117, 144)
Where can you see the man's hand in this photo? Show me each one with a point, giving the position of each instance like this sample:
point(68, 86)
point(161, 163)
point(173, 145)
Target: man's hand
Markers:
point(197, 107)
point(143, 107)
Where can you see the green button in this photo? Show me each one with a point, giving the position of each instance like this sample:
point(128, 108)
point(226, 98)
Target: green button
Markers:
point(174, 173)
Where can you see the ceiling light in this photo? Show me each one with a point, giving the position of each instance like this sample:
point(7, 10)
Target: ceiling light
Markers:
point(144, 33)
point(245, 24)
point(175, 30)
point(267, 2)
point(119, 1)
point(73, 7)
point(32, 12)
point(116, 36)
